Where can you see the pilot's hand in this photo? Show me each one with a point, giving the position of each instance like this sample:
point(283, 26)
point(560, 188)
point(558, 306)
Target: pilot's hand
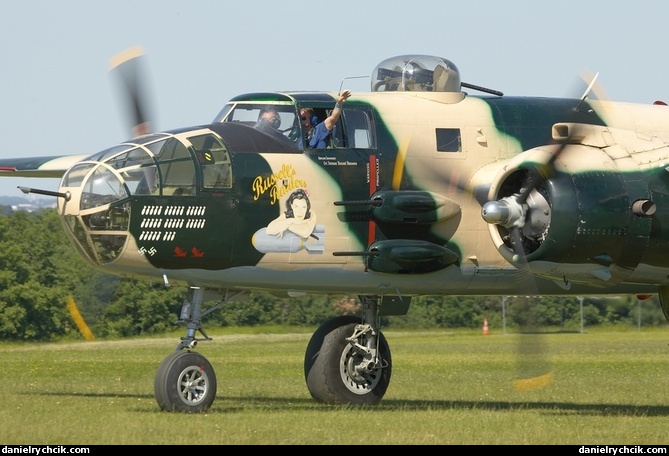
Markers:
point(344, 96)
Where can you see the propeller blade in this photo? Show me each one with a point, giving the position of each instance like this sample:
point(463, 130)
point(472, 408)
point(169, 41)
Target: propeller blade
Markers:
point(533, 369)
point(512, 213)
point(129, 66)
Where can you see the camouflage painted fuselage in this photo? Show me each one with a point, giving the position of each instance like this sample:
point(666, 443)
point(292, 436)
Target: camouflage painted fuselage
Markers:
point(394, 205)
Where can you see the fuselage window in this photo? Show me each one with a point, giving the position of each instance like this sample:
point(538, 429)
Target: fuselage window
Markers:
point(176, 169)
point(214, 160)
point(138, 170)
point(448, 140)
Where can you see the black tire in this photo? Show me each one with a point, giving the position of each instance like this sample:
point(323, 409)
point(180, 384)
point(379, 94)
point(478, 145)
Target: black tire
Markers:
point(185, 382)
point(328, 361)
point(314, 348)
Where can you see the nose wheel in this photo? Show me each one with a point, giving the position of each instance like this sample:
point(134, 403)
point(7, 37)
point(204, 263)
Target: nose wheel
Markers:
point(185, 382)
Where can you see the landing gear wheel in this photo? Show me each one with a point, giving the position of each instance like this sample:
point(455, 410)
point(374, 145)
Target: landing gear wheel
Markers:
point(185, 382)
point(330, 364)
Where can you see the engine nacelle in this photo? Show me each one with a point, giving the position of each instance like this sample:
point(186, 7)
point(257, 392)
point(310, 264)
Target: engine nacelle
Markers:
point(586, 218)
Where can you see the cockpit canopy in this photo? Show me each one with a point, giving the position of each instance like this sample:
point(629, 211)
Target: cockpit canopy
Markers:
point(416, 73)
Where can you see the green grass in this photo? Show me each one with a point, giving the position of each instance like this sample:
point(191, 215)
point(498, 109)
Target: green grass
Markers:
point(610, 387)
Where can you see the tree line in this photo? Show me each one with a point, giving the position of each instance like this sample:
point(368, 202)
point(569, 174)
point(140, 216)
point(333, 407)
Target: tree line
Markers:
point(40, 271)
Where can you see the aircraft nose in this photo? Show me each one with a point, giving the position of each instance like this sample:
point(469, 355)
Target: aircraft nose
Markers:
point(96, 216)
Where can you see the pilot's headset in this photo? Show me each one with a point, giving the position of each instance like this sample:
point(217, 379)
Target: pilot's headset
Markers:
point(314, 117)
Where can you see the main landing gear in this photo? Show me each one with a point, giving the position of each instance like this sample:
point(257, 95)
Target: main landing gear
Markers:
point(347, 361)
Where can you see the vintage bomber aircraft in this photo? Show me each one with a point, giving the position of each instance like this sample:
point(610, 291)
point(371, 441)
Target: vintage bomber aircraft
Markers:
point(424, 189)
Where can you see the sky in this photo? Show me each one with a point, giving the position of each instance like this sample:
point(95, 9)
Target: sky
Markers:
point(58, 97)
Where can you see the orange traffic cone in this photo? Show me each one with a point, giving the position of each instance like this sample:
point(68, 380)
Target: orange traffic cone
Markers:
point(486, 330)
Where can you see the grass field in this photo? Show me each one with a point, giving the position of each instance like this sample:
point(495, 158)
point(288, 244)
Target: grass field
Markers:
point(609, 387)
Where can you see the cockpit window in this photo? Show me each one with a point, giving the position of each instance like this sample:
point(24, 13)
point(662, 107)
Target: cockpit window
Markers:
point(275, 119)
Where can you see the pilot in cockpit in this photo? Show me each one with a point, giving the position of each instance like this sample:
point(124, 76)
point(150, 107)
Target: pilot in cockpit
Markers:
point(269, 120)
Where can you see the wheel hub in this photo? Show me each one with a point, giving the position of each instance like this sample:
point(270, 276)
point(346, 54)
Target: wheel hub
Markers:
point(193, 385)
point(358, 373)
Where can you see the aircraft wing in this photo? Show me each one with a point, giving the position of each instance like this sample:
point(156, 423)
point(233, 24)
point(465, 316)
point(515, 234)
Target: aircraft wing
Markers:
point(48, 167)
